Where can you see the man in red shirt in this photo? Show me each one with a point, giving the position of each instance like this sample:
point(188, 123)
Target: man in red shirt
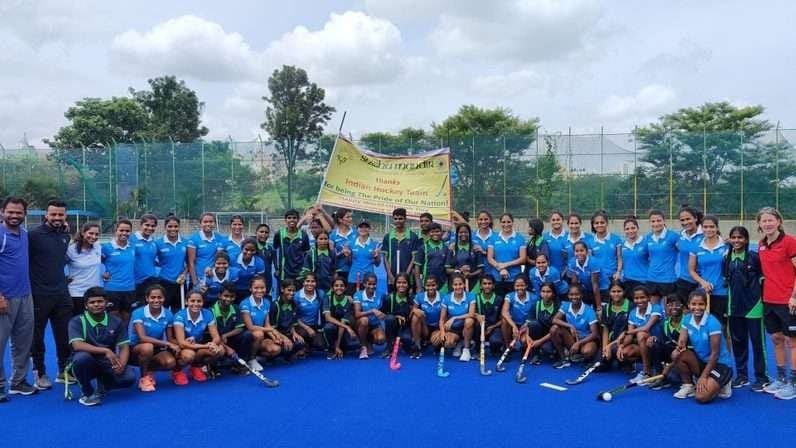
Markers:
point(778, 260)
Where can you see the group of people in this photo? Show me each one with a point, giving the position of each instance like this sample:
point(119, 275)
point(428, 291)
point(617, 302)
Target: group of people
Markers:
point(685, 304)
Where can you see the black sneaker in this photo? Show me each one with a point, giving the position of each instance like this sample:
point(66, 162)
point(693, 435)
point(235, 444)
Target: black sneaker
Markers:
point(577, 357)
point(90, 400)
point(536, 360)
point(760, 385)
point(386, 354)
point(662, 383)
point(740, 382)
point(416, 353)
point(561, 363)
point(22, 388)
point(3, 397)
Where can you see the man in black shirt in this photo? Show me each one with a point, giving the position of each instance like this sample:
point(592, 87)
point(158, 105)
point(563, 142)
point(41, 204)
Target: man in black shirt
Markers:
point(47, 245)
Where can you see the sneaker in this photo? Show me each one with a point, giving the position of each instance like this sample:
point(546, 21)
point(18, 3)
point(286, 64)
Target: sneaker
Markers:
point(457, 351)
point(3, 397)
point(726, 391)
point(641, 376)
point(760, 385)
point(22, 388)
point(416, 353)
point(42, 382)
point(662, 383)
point(562, 363)
point(465, 356)
point(740, 382)
point(255, 365)
point(90, 400)
point(146, 384)
point(363, 353)
point(179, 377)
point(685, 391)
point(774, 386)
point(536, 360)
point(577, 357)
point(65, 377)
point(787, 392)
point(101, 391)
point(386, 354)
point(197, 374)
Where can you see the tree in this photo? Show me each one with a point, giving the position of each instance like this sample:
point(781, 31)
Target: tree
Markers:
point(173, 110)
point(406, 141)
point(295, 116)
point(489, 151)
point(96, 122)
point(704, 149)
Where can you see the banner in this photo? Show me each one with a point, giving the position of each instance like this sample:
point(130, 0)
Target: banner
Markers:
point(363, 180)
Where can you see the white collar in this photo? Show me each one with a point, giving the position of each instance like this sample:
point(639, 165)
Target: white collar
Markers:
point(344, 235)
point(255, 304)
point(527, 297)
point(309, 298)
point(657, 238)
point(425, 298)
point(646, 313)
point(116, 245)
point(488, 235)
point(512, 235)
point(717, 247)
point(240, 261)
point(585, 263)
point(538, 273)
point(561, 234)
point(140, 236)
point(604, 240)
point(365, 244)
point(199, 319)
point(204, 238)
point(167, 241)
point(365, 297)
point(701, 322)
point(577, 313)
point(148, 313)
point(569, 237)
point(237, 243)
point(630, 245)
point(221, 280)
point(689, 238)
point(458, 302)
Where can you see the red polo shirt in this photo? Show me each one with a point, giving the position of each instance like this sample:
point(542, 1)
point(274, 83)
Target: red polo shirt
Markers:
point(778, 268)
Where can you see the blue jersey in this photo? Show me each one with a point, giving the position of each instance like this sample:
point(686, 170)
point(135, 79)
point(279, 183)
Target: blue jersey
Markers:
point(507, 249)
point(569, 244)
point(145, 253)
point(520, 308)
point(457, 307)
point(171, 258)
point(604, 252)
point(551, 275)
point(368, 304)
point(699, 334)
point(710, 266)
point(431, 258)
point(342, 263)
point(556, 244)
point(483, 242)
point(233, 249)
point(154, 327)
point(195, 329)
point(635, 260)
point(581, 319)
point(258, 312)
point(247, 271)
point(362, 261)
point(213, 283)
point(120, 264)
point(638, 319)
point(206, 249)
point(583, 273)
point(687, 245)
point(662, 251)
point(309, 307)
point(431, 308)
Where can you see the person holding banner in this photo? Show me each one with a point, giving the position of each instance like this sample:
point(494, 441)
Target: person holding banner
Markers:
point(342, 238)
point(398, 247)
point(505, 254)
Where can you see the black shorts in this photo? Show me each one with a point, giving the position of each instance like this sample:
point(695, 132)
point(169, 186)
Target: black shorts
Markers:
point(157, 350)
point(120, 301)
point(683, 288)
point(721, 373)
point(661, 289)
point(778, 319)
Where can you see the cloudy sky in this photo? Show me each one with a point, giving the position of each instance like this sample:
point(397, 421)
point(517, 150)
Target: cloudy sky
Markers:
point(396, 63)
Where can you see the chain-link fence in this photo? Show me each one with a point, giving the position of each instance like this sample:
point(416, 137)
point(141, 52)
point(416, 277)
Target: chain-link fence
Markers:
point(729, 174)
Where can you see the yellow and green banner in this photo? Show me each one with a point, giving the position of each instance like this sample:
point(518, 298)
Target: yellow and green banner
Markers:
point(363, 180)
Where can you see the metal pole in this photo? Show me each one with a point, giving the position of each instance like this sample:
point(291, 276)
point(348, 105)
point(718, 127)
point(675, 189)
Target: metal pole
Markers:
point(742, 178)
point(602, 170)
point(504, 174)
point(83, 177)
point(536, 190)
point(705, 170)
point(671, 179)
point(569, 170)
point(204, 209)
point(635, 171)
point(472, 177)
point(173, 176)
point(5, 163)
point(776, 168)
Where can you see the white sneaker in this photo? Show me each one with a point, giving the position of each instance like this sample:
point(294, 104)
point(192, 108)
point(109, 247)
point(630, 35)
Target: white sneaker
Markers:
point(465, 355)
point(726, 391)
point(255, 365)
point(641, 376)
point(42, 382)
point(685, 391)
point(774, 386)
point(457, 351)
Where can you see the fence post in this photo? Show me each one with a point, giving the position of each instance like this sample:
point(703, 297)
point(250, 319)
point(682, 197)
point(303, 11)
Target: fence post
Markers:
point(671, 176)
point(5, 163)
point(504, 174)
point(173, 176)
point(203, 179)
point(776, 167)
point(635, 171)
point(569, 172)
point(602, 170)
point(472, 181)
point(705, 170)
point(83, 176)
point(742, 177)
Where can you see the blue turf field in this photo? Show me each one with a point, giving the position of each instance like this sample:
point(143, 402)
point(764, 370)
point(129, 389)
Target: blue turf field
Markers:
point(363, 403)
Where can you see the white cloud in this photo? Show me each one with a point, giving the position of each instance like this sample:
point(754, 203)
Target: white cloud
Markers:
point(33, 116)
point(520, 30)
point(506, 84)
point(186, 46)
point(648, 100)
point(38, 22)
point(352, 48)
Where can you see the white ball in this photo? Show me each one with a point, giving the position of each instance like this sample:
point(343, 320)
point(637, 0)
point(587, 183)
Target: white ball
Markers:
point(607, 396)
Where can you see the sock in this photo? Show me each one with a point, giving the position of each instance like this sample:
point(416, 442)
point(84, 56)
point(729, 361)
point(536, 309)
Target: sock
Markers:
point(793, 377)
point(781, 373)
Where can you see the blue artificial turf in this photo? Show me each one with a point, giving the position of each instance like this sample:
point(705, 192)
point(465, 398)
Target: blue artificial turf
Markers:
point(364, 403)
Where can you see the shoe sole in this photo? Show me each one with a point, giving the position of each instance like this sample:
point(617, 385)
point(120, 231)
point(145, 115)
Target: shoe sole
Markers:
point(88, 405)
point(42, 387)
point(791, 397)
point(24, 394)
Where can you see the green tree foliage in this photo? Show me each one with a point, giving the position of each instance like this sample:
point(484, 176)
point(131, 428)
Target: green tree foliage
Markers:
point(95, 122)
point(295, 117)
point(173, 110)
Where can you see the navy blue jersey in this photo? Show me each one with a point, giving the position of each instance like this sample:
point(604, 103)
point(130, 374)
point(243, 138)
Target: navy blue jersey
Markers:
point(431, 258)
point(489, 306)
point(321, 263)
point(283, 315)
point(463, 255)
point(108, 332)
point(744, 284)
point(535, 247)
point(399, 250)
point(290, 252)
point(339, 307)
point(615, 319)
point(394, 305)
point(226, 321)
point(543, 314)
